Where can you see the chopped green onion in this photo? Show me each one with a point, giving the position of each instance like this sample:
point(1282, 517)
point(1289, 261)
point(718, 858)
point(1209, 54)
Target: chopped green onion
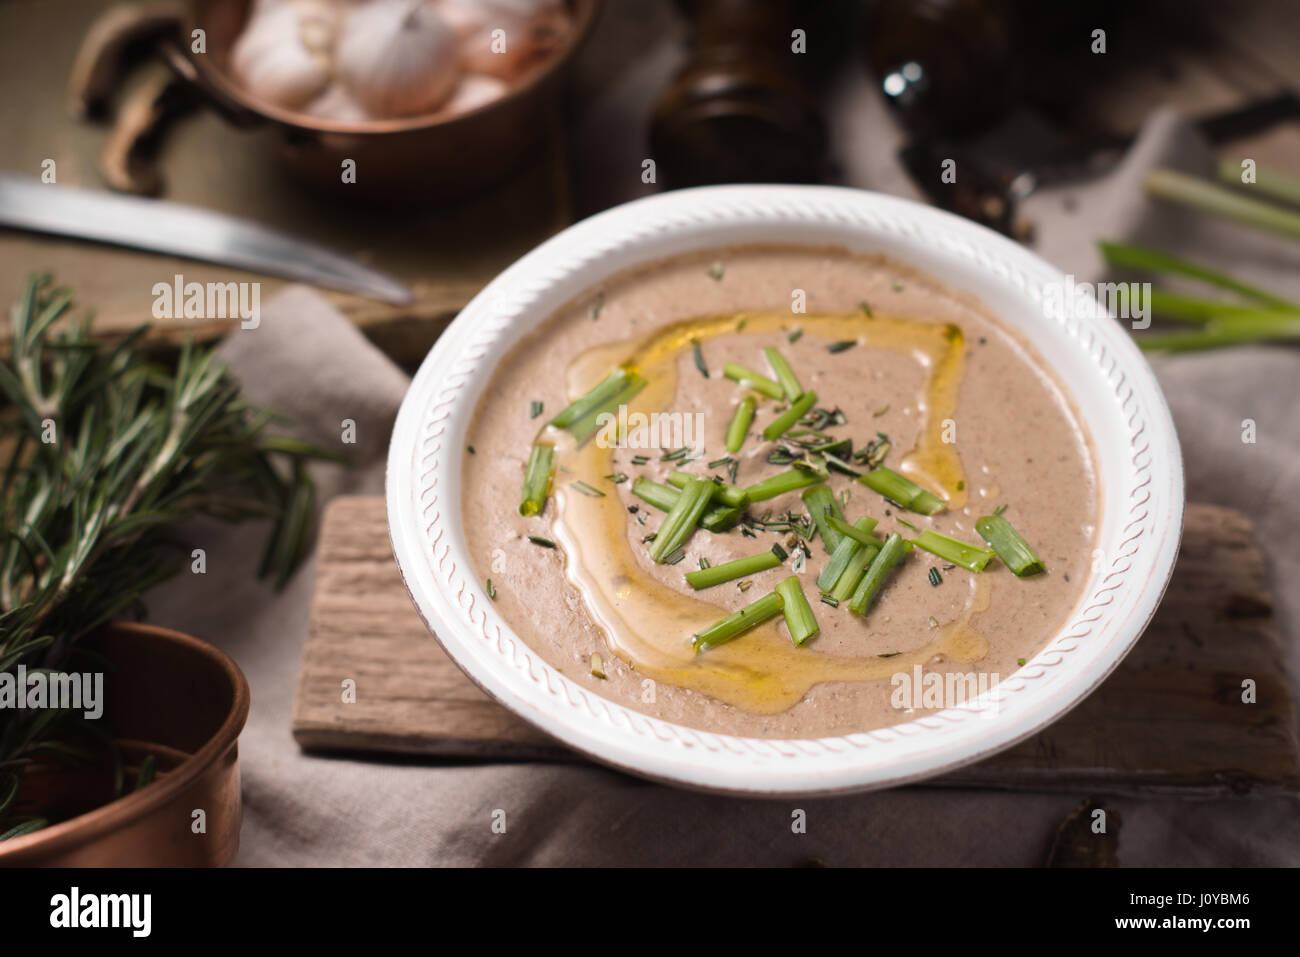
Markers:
point(681, 519)
point(491, 589)
point(717, 518)
point(823, 507)
point(589, 422)
point(729, 571)
point(1011, 548)
point(740, 423)
point(1132, 256)
point(724, 494)
point(886, 560)
point(844, 553)
point(786, 420)
point(799, 617)
point(784, 374)
point(971, 557)
point(862, 537)
point(783, 482)
point(736, 624)
point(905, 492)
point(537, 479)
point(597, 397)
point(1216, 200)
point(753, 380)
point(854, 569)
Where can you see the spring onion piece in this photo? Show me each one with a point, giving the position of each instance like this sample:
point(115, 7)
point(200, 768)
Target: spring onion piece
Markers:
point(844, 551)
point(784, 374)
point(799, 617)
point(862, 537)
point(753, 380)
point(1266, 327)
point(716, 518)
point(730, 571)
point(589, 422)
point(597, 397)
point(905, 492)
point(728, 495)
point(823, 507)
point(882, 566)
point(736, 624)
point(740, 423)
point(1268, 182)
point(1132, 256)
point(783, 482)
point(537, 479)
point(971, 557)
point(681, 519)
point(1216, 200)
point(1011, 548)
point(859, 561)
point(787, 419)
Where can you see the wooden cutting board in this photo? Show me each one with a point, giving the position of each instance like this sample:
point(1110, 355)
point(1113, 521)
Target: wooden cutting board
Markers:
point(1170, 719)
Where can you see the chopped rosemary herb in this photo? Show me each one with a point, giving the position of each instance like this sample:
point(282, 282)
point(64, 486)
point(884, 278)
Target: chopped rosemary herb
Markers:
point(699, 358)
point(491, 589)
point(935, 578)
point(866, 307)
point(597, 305)
point(830, 601)
point(716, 271)
point(534, 409)
point(640, 459)
point(794, 337)
point(676, 455)
point(618, 478)
point(881, 411)
point(844, 344)
point(587, 490)
point(544, 542)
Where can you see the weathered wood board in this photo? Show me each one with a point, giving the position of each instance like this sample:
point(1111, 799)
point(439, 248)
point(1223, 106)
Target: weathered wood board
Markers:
point(1170, 719)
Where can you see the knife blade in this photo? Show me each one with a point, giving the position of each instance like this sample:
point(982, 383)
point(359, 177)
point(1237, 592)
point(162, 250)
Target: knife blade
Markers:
point(185, 231)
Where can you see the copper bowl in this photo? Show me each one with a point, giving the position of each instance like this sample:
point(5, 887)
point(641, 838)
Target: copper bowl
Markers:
point(396, 159)
point(184, 702)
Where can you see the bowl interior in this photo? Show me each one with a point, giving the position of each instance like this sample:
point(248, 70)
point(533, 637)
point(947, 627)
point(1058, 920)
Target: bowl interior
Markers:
point(1110, 385)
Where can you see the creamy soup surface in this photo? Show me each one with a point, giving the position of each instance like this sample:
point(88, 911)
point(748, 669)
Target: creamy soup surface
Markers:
point(967, 409)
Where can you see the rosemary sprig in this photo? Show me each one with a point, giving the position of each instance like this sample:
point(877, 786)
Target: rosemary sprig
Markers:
point(106, 452)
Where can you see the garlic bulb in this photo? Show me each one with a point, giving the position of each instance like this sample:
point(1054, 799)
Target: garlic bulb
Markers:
point(507, 33)
point(337, 104)
point(283, 55)
point(397, 57)
point(473, 91)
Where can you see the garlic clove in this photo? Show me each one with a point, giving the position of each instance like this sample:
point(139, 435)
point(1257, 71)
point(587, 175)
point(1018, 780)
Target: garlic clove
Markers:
point(473, 91)
point(272, 57)
point(337, 104)
point(514, 35)
point(397, 57)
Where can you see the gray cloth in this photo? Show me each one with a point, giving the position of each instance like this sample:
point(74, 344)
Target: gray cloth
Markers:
point(309, 363)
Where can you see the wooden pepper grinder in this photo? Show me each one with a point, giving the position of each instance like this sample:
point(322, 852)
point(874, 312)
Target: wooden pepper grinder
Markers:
point(740, 110)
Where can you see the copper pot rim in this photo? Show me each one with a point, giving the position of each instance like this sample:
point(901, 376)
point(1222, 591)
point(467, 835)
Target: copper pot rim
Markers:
point(131, 807)
point(585, 12)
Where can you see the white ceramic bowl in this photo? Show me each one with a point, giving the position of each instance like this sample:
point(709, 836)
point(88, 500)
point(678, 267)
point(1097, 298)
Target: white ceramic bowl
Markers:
point(1094, 359)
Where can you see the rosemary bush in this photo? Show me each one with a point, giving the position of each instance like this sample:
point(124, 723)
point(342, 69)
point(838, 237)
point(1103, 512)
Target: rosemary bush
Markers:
point(107, 451)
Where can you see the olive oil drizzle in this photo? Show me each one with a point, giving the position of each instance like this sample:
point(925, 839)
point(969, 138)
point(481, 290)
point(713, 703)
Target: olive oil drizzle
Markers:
point(647, 623)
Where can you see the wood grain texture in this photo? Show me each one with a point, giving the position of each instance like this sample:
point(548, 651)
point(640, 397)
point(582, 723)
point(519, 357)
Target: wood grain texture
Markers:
point(1170, 719)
